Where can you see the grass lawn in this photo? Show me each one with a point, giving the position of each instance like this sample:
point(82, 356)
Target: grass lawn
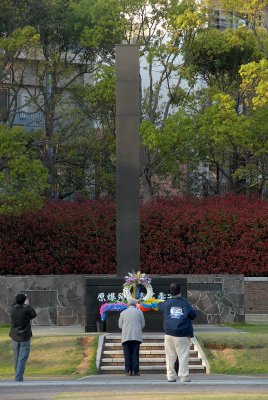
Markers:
point(61, 356)
point(74, 356)
point(239, 353)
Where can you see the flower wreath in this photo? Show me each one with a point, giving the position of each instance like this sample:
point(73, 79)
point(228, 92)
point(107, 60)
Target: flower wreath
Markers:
point(132, 290)
point(133, 282)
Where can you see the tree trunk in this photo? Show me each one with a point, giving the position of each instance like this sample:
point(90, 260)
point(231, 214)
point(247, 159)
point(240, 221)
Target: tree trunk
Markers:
point(51, 152)
point(147, 187)
point(146, 175)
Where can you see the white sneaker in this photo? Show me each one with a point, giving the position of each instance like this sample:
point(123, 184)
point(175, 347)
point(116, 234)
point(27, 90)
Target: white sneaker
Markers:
point(185, 380)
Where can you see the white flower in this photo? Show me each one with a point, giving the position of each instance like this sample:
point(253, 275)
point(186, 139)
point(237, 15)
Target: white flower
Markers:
point(128, 285)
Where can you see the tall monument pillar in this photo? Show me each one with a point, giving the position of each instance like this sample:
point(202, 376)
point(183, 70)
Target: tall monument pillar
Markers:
point(127, 159)
point(127, 199)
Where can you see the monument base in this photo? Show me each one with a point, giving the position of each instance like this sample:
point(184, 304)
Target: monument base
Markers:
point(100, 289)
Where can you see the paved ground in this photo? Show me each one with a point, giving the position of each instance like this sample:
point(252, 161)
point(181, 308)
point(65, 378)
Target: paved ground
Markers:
point(92, 386)
point(79, 330)
point(111, 384)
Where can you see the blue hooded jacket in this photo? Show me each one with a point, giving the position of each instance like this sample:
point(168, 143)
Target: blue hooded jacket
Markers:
point(178, 316)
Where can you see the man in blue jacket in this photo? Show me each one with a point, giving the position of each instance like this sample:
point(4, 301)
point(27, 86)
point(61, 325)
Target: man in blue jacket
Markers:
point(178, 316)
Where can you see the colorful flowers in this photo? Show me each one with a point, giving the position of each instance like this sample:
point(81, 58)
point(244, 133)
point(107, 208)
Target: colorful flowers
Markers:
point(119, 306)
point(132, 289)
point(133, 282)
point(149, 305)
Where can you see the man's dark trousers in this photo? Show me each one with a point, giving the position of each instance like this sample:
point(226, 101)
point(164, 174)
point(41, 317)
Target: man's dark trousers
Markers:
point(131, 352)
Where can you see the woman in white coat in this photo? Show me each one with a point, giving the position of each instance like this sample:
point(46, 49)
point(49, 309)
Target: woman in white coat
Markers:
point(131, 321)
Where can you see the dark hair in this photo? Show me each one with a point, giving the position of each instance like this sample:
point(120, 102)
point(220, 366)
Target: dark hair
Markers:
point(20, 298)
point(174, 288)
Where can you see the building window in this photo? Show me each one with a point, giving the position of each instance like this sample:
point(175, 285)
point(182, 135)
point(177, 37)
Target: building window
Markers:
point(3, 105)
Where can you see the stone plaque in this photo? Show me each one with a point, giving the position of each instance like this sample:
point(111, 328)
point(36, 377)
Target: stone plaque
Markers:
point(100, 290)
point(205, 287)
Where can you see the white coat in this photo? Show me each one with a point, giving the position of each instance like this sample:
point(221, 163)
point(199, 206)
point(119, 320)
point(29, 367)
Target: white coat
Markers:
point(131, 321)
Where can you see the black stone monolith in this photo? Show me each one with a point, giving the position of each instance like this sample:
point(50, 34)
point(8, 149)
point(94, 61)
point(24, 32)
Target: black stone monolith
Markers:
point(127, 159)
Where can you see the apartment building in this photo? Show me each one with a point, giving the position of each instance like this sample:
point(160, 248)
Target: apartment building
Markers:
point(26, 89)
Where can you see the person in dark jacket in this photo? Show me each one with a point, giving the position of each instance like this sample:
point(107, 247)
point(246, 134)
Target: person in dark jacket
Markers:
point(20, 333)
point(178, 316)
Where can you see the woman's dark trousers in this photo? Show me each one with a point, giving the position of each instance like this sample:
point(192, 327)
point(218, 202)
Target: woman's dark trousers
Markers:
point(131, 352)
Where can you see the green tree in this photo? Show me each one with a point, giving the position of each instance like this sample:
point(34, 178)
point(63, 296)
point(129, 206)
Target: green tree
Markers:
point(218, 55)
point(75, 37)
point(253, 14)
point(23, 178)
point(88, 147)
point(218, 145)
point(164, 30)
point(218, 59)
point(211, 130)
point(251, 10)
point(255, 83)
point(20, 44)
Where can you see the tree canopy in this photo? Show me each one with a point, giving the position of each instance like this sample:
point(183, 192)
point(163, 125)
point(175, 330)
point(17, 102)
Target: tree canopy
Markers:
point(23, 178)
point(204, 91)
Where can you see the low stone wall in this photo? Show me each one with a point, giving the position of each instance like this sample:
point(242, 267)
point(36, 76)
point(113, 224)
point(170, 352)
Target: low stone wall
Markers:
point(219, 298)
point(256, 300)
point(60, 299)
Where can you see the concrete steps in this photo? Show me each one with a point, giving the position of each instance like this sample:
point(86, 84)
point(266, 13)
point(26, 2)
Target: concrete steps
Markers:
point(152, 356)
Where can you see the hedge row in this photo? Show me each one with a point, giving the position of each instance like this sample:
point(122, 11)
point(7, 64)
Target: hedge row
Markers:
point(214, 235)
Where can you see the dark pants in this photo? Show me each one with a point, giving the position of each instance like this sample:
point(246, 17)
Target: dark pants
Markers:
point(131, 352)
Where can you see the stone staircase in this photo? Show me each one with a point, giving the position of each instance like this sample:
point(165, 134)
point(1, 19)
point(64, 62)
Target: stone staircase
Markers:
point(152, 356)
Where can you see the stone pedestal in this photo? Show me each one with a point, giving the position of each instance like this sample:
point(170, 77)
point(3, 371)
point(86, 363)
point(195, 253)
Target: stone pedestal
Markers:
point(65, 299)
point(100, 290)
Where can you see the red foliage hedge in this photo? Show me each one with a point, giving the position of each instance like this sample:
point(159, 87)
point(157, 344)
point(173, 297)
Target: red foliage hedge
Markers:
point(214, 235)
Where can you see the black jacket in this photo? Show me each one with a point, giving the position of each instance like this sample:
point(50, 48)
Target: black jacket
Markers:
point(21, 316)
point(178, 316)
